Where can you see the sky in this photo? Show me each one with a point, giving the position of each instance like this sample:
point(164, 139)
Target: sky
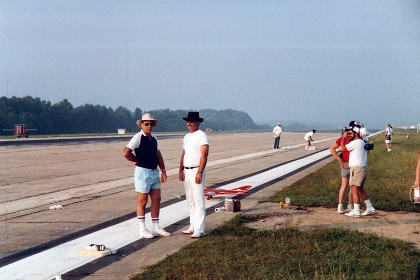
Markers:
point(325, 61)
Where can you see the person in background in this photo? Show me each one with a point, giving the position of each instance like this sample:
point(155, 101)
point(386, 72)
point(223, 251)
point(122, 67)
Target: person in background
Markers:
point(277, 133)
point(358, 171)
point(364, 133)
point(343, 130)
point(308, 138)
point(195, 150)
point(388, 137)
point(143, 152)
point(417, 182)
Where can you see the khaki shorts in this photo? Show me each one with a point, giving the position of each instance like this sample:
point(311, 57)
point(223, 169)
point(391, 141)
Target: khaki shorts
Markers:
point(358, 176)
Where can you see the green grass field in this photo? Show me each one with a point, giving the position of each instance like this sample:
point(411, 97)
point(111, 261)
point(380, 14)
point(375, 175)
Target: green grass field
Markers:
point(234, 251)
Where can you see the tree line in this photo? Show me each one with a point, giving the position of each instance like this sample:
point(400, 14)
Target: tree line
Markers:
point(63, 118)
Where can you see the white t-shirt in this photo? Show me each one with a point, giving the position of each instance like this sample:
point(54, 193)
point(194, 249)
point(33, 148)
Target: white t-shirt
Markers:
point(277, 131)
point(309, 134)
point(191, 145)
point(358, 154)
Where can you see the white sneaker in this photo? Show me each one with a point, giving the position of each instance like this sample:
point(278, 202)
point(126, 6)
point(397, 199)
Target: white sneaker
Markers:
point(353, 214)
point(145, 234)
point(197, 234)
point(349, 208)
point(160, 232)
point(340, 210)
point(369, 211)
point(189, 231)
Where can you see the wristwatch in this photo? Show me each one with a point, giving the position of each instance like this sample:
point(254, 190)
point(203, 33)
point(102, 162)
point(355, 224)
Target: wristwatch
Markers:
point(200, 171)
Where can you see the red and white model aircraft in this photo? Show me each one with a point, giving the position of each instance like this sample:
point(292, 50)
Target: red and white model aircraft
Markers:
point(209, 193)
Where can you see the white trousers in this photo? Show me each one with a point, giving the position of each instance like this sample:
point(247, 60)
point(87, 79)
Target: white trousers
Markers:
point(195, 198)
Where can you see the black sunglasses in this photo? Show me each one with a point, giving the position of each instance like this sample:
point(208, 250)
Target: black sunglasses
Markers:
point(149, 123)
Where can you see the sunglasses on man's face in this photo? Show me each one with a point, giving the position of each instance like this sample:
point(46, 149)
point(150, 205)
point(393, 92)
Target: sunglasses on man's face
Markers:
point(149, 123)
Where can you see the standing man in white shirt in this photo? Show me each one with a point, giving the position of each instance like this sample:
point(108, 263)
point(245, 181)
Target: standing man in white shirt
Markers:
point(358, 171)
point(195, 150)
point(388, 137)
point(277, 133)
point(364, 133)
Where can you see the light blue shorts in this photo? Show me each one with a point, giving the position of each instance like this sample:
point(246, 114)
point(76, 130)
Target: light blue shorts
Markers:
point(146, 179)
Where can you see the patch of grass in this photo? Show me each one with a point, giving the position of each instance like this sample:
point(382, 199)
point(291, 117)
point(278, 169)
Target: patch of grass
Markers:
point(390, 177)
point(234, 251)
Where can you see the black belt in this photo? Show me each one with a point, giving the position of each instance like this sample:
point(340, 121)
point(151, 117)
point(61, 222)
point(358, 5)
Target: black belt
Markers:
point(190, 167)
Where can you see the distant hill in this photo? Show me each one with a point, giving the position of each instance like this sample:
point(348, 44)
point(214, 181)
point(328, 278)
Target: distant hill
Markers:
point(63, 118)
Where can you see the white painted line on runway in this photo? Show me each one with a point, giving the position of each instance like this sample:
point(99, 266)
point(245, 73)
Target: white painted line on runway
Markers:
point(66, 257)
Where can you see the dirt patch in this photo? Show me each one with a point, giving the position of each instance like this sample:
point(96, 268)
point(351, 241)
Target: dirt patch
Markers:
point(400, 225)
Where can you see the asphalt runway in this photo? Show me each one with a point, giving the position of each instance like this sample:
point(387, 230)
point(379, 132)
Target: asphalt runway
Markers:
point(93, 183)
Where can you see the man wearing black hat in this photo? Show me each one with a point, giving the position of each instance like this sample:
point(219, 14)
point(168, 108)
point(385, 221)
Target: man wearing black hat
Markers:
point(195, 150)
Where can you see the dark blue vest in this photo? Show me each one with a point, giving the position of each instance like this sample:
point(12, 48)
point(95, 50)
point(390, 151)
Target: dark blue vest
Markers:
point(147, 153)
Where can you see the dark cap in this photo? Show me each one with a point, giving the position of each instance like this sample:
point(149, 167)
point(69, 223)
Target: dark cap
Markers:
point(354, 123)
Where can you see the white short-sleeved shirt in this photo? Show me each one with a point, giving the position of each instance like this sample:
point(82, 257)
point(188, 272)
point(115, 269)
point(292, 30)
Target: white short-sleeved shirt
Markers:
point(191, 145)
point(309, 134)
point(277, 131)
point(358, 154)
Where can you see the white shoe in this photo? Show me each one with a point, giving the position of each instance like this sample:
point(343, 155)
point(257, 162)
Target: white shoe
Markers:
point(160, 232)
point(369, 211)
point(353, 214)
point(189, 231)
point(349, 208)
point(197, 234)
point(145, 234)
point(340, 210)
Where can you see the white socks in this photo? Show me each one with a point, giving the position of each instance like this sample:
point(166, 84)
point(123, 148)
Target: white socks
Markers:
point(368, 204)
point(142, 223)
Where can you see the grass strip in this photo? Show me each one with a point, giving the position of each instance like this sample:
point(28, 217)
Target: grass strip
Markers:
point(234, 251)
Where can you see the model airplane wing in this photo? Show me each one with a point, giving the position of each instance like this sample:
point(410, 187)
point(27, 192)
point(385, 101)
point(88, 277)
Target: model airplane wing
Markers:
point(209, 193)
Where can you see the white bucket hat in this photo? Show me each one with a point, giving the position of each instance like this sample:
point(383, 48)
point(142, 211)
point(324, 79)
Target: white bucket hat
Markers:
point(147, 117)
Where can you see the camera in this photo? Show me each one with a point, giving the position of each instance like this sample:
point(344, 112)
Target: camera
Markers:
point(369, 146)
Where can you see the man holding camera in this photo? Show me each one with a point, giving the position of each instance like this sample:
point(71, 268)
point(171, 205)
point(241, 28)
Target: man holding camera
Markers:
point(358, 171)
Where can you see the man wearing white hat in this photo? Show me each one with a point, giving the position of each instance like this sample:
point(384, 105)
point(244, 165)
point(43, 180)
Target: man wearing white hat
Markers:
point(143, 152)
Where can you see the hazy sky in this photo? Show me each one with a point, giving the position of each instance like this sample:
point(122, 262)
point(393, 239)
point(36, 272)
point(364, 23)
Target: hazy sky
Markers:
point(281, 60)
